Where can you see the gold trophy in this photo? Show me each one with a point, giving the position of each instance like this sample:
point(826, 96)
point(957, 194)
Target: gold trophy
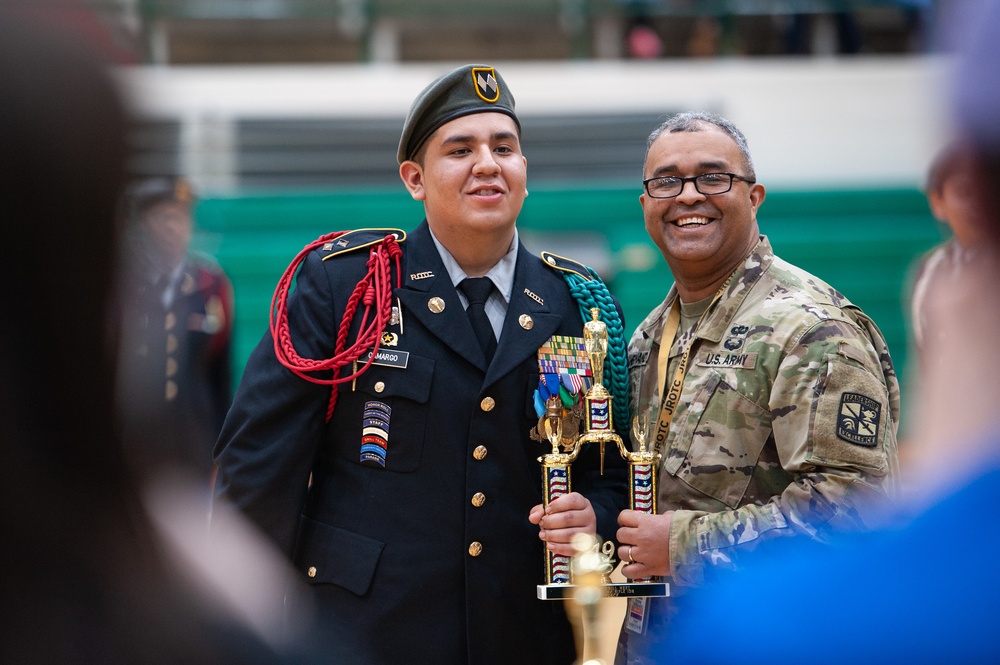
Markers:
point(590, 570)
point(556, 468)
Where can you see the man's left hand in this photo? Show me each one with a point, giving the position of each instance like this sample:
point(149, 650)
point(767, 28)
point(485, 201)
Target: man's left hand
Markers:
point(644, 543)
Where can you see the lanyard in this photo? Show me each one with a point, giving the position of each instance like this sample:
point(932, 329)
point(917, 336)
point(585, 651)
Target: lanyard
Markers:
point(672, 392)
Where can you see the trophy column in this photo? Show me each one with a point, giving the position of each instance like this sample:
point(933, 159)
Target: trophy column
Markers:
point(643, 465)
point(556, 481)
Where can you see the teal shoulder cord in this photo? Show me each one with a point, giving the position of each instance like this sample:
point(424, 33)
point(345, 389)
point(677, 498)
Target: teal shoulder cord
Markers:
point(594, 293)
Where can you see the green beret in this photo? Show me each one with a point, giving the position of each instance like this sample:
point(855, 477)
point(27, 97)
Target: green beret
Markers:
point(463, 91)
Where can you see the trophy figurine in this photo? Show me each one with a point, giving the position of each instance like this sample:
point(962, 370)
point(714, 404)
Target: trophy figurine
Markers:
point(600, 425)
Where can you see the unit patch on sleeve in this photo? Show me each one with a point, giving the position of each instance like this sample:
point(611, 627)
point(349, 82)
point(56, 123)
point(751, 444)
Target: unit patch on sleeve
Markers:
point(858, 419)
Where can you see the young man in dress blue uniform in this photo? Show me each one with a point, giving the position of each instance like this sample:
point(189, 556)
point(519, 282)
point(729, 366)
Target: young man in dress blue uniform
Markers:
point(175, 374)
point(414, 507)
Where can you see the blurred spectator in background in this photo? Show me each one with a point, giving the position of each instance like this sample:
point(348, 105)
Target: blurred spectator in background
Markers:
point(925, 590)
point(801, 36)
point(86, 576)
point(176, 368)
point(952, 202)
point(706, 34)
point(642, 41)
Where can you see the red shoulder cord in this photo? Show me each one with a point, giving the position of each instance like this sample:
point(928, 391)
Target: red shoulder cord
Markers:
point(375, 289)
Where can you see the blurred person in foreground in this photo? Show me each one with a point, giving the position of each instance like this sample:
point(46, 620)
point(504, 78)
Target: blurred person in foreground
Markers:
point(175, 372)
point(409, 494)
point(771, 397)
point(89, 571)
point(923, 590)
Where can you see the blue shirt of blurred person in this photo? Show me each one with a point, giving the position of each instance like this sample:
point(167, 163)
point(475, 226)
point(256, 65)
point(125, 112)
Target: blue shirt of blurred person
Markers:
point(927, 591)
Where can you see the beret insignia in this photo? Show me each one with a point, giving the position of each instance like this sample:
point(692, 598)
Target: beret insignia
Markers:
point(486, 84)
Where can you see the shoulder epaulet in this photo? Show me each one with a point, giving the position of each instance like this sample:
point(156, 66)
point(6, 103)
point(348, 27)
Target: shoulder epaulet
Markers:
point(357, 239)
point(566, 265)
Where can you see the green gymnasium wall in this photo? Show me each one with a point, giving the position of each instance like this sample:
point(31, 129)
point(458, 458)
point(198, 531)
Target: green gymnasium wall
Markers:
point(862, 242)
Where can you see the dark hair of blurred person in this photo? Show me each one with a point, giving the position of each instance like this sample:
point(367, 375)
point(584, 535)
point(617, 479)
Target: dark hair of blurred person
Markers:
point(84, 577)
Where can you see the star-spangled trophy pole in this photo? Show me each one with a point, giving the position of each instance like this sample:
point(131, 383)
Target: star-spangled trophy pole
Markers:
point(600, 430)
point(643, 465)
point(556, 481)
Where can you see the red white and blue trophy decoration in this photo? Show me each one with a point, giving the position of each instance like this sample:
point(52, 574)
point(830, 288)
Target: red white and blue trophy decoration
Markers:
point(562, 414)
point(555, 482)
point(642, 465)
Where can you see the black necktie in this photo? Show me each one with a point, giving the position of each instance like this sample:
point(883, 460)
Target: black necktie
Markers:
point(477, 290)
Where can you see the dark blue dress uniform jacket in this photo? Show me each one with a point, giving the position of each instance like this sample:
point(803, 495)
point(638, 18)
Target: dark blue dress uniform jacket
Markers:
point(175, 374)
point(387, 551)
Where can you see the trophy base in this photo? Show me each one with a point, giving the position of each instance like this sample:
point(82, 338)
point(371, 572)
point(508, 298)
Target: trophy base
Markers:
point(614, 590)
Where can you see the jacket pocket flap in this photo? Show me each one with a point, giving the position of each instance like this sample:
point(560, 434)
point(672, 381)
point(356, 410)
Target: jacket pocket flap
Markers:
point(410, 378)
point(331, 555)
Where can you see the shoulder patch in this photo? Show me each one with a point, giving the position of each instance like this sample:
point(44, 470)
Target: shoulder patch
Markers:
point(358, 239)
point(859, 419)
point(566, 265)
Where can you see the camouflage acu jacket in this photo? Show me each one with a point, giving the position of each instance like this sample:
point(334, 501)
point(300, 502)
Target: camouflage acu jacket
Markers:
point(787, 418)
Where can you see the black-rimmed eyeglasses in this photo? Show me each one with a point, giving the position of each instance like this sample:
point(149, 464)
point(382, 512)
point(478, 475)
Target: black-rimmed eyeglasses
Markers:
point(668, 186)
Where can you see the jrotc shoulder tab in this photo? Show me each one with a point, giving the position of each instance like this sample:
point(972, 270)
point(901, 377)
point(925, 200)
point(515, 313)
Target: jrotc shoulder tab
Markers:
point(566, 265)
point(358, 239)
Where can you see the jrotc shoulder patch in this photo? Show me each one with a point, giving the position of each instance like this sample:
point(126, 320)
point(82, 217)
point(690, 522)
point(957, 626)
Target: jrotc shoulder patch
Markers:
point(858, 419)
point(352, 240)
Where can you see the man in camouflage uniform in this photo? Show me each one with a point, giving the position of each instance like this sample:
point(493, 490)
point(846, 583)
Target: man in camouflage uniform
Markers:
point(774, 407)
